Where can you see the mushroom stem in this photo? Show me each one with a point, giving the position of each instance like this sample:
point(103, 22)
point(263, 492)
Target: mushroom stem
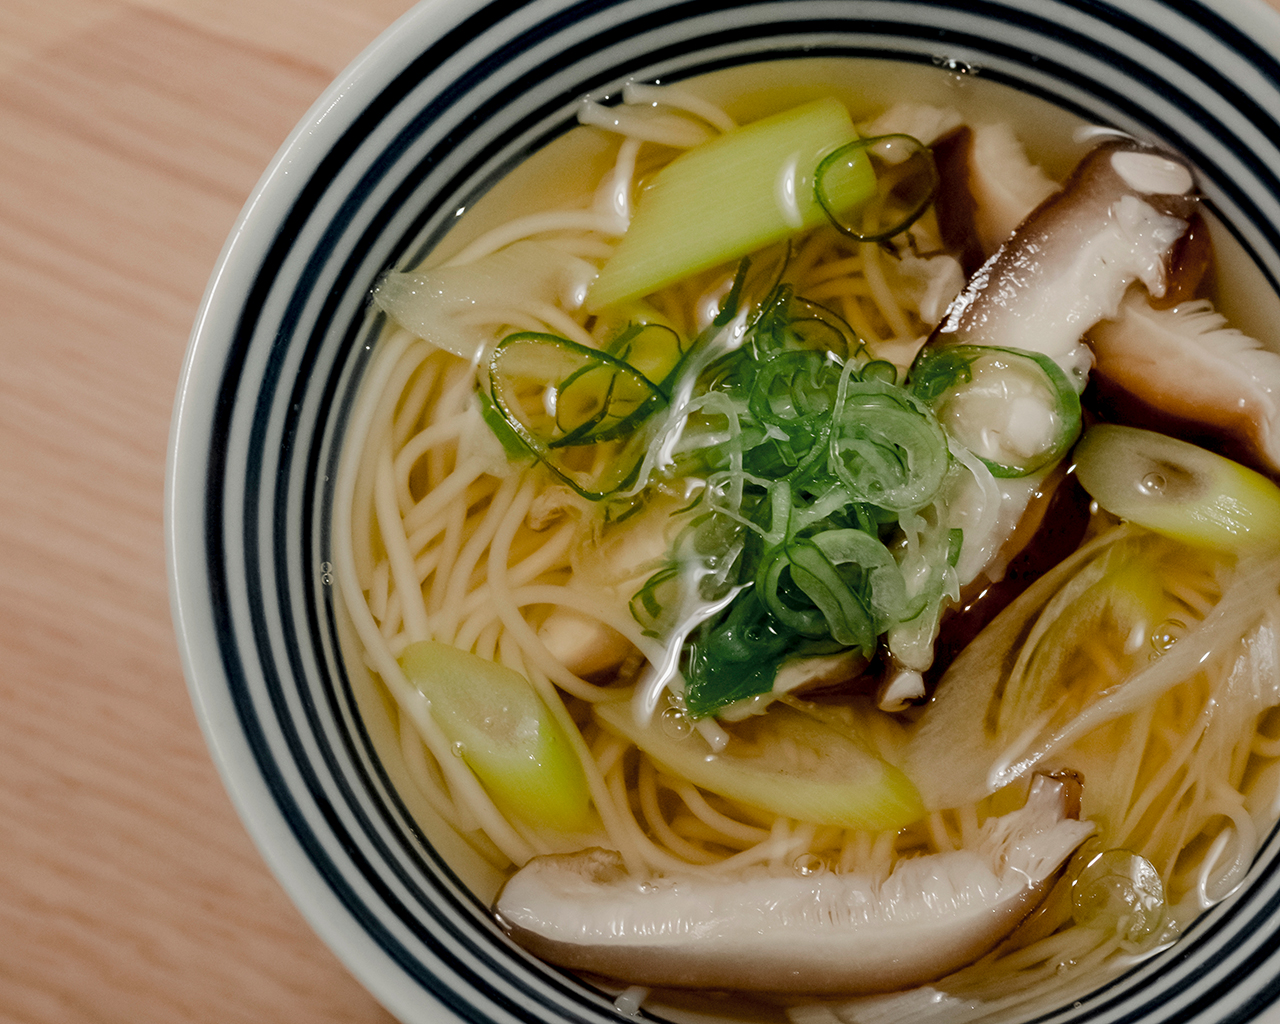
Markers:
point(1117, 220)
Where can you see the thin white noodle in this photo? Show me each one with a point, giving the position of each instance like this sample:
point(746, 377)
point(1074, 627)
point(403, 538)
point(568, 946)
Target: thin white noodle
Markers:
point(536, 317)
point(853, 313)
point(399, 353)
point(403, 573)
point(886, 301)
point(477, 610)
point(419, 444)
point(379, 590)
point(698, 831)
point(533, 648)
point(1214, 886)
point(446, 620)
point(853, 287)
point(562, 323)
point(823, 273)
point(608, 752)
point(425, 564)
point(647, 789)
point(702, 810)
point(613, 197)
point(645, 125)
point(432, 785)
point(1155, 787)
point(423, 521)
point(486, 644)
point(680, 99)
point(428, 375)
point(779, 847)
point(580, 601)
point(455, 531)
point(391, 624)
point(585, 246)
point(652, 855)
point(537, 224)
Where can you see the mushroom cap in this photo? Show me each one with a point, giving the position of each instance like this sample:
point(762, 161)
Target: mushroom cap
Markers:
point(1067, 266)
point(787, 932)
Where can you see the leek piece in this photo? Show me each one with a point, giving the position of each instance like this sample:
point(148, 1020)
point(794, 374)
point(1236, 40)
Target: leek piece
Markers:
point(906, 181)
point(783, 762)
point(505, 733)
point(728, 197)
point(1177, 489)
point(1034, 673)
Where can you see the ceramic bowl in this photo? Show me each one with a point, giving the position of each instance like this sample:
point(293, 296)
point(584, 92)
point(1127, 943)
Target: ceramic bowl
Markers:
point(451, 97)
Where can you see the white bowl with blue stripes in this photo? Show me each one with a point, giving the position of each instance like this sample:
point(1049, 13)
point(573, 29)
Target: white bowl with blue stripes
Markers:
point(429, 117)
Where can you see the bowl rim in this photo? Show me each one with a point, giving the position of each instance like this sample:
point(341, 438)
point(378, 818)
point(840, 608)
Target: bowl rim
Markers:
point(298, 159)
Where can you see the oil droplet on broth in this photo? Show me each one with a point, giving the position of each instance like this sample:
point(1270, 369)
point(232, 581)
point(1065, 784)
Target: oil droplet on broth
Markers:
point(808, 865)
point(1153, 484)
point(675, 723)
point(1165, 635)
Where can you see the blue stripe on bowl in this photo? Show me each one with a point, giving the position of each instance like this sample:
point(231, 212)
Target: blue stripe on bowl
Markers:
point(297, 351)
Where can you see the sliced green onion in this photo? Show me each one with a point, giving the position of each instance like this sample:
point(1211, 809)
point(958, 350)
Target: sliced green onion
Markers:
point(790, 322)
point(578, 409)
point(906, 180)
point(652, 350)
point(1015, 410)
point(863, 558)
point(786, 576)
point(885, 445)
point(512, 443)
point(737, 658)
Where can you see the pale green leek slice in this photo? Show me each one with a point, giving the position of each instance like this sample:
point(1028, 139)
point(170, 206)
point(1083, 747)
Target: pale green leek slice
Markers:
point(505, 733)
point(1178, 489)
point(728, 197)
point(783, 762)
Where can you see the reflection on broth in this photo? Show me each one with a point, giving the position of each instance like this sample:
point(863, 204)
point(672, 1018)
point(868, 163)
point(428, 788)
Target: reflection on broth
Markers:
point(788, 568)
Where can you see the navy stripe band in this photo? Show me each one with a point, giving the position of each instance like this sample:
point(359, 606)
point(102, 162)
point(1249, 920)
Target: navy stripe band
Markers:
point(289, 350)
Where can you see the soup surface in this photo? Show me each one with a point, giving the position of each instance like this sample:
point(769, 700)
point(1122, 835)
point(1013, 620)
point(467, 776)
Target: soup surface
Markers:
point(811, 531)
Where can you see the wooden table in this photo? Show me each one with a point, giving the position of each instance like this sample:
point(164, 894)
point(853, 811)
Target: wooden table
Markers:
point(131, 132)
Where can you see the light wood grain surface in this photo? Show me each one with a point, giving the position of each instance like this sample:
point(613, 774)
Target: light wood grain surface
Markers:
point(130, 135)
point(131, 132)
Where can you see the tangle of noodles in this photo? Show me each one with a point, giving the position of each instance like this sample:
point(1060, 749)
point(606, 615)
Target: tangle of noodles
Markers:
point(439, 537)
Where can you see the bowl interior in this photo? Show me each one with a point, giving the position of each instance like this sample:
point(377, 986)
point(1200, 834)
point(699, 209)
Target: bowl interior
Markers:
point(424, 127)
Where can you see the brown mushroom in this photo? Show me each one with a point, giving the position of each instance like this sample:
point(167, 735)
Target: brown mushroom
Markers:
point(1184, 369)
point(1068, 265)
point(821, 933)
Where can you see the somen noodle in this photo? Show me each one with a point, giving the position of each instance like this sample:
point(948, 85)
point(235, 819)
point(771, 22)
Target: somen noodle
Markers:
point(588, 500)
